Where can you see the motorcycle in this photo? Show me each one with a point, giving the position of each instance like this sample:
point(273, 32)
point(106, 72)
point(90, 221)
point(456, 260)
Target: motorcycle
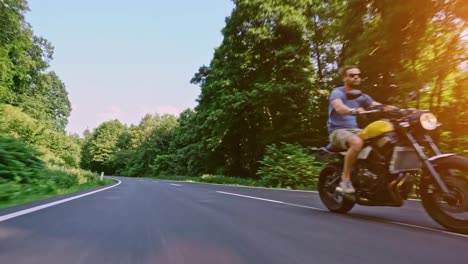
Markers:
point(396, 155)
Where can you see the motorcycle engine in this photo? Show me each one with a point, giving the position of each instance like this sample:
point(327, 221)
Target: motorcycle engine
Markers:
point(373, 176)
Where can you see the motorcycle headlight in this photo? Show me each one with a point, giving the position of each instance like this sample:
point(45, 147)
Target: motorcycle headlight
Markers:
point(428, 121)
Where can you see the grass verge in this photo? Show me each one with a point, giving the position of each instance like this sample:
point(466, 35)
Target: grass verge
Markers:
point(33, 197)
point(220, 179)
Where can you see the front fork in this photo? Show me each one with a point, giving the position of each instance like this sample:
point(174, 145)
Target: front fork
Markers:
point(428, 161)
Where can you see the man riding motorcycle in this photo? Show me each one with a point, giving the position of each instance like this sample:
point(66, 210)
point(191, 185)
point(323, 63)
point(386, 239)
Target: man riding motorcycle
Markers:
point(384, 161)
point(342, 124)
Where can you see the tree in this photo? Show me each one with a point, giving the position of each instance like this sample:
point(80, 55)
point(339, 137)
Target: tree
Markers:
point(268, 82)
point(98, 150)
point(11, 27)
point(49, 101)
point(145, 142)
point(24, 61)
point(405, 46)
point(257, 88)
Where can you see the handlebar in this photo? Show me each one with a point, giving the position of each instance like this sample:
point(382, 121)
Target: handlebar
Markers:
point(368, 112)
point(394, 112)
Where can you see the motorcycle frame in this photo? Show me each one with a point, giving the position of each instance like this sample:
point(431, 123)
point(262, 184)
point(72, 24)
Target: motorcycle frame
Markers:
point(428, 161)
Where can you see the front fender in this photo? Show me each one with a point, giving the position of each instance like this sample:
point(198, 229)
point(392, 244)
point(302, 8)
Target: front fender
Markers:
point(450, 161)
point(436, 159)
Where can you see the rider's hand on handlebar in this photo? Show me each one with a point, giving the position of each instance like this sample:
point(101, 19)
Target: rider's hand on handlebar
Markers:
point(389, 108)
point(360, 110)
point(383, 107)
point(356, 111)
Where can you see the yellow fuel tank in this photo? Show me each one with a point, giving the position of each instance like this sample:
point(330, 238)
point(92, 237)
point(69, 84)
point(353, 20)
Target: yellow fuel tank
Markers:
point(376, 129)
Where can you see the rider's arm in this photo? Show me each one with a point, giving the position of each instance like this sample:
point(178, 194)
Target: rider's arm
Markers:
point(341, 108)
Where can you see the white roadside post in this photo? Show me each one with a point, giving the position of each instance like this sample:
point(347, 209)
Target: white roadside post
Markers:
point(102, 176)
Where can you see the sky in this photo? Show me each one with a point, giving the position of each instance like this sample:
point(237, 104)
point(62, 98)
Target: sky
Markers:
point(124, 59)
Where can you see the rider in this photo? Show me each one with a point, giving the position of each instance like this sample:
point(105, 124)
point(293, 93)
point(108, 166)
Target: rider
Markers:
point(342, 123)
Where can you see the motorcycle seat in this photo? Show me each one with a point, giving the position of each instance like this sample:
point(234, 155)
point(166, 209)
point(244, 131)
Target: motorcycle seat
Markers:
point(334, 149)
point(330, 148)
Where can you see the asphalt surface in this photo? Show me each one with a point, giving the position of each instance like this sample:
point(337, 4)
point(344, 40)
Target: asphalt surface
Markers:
point(159, 222)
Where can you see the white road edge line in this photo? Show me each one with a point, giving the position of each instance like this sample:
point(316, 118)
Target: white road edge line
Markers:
point(355, 216)
point(173, 184)
point(40, 207)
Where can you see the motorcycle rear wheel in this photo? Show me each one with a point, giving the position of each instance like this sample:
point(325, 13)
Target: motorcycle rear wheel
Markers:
point(328, 181)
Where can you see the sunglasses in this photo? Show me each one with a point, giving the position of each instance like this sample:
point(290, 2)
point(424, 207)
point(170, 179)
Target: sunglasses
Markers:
point(352, 75)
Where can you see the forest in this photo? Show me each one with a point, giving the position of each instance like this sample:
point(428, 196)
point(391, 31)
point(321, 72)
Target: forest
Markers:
point(263, 97)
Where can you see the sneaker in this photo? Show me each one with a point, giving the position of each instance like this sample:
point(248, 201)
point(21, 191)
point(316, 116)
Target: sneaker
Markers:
point(346, 187)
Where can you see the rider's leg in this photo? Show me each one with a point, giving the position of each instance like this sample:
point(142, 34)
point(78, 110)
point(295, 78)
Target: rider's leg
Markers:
point(355, 146)
point(347, 139)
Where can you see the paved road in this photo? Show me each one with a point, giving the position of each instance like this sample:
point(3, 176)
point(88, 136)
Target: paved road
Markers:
point(159, 222)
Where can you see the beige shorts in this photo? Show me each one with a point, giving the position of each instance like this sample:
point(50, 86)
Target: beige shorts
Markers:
point(339, 137)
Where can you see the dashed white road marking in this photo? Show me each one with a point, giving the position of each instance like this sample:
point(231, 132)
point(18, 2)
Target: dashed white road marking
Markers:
point(173, 184)
point(355, 216)
point(271, 201)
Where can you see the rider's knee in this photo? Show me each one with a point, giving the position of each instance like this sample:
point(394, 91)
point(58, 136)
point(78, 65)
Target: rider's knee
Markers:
point(355, 143)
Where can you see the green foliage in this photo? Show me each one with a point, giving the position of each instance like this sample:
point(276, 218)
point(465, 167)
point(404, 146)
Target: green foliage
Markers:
point(418, 46)
point(58, 148)
point(189, 152)
point(156, 144)
point(65, 178)
point(164, 165)
point(99, 148)
point(25, 81)
point(257, 88)
point(15, 122)
point(23, 173)
point(18, 161)
point(12, 194)
point(269, 80)
point(221, 179)
point(9, 190)
point(62, 179)
point(34, 110)
point(209, 178)
point(49, 103)
point(144, 143)
point(288, 165)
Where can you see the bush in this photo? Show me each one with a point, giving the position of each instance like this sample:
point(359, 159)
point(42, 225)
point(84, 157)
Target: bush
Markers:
point(164, 165)
point(220, 179)
point(9, 189)
point(20, 168)
point(289, 166)
point(64, 178)
point(23, 173)
point(57, 147)
point(18, 161)
point(208, 178)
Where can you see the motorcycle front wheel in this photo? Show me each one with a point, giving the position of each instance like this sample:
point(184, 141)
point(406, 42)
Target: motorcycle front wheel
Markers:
point(450, 211)
point(329, 179)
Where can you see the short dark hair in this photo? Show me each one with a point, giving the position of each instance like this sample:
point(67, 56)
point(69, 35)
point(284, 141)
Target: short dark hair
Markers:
point(346, 68)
